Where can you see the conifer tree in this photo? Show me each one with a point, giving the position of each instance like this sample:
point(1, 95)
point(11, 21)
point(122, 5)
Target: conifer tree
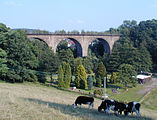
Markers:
point(99, 81)
point(60, 77)
point(67, 76)
point(90, 82)
point(100, 74)
point(81, 77)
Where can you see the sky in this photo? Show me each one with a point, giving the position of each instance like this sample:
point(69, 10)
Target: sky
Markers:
point(88, 15)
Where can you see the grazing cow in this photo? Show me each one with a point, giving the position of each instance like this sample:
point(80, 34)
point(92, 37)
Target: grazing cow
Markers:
point(132, 107)
point(109, 105)
point(84, 100)
point(105, 104)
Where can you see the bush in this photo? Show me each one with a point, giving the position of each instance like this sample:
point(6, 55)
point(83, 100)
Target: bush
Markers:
point(29, 76)
point(98, 92)
point(13, 76)
point(41, 77)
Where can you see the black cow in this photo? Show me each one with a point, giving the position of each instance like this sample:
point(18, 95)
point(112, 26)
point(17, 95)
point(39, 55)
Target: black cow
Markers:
point(105, 105)
point(84, 100)
point(109, 105)
point(132, 107)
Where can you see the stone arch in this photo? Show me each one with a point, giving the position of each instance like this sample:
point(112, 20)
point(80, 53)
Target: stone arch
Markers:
point(77, 43)
point(31, 38)
point(105, 44)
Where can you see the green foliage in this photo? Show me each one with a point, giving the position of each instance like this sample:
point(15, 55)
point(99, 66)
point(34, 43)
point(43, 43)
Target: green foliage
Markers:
point(143, 34)
point(151, 98)
point(114, 60)
point(98, 81)
point(3, 65)
point(35, 31)
point(3, 28)
point(64, 65)
point(19, 50)
point(81, 77)
point(114, 77)
point(63, 45)
point(48, 61)
point(30, 76)
point(64, 75)
point(90, 82)
point(60, 77)
point(41, 76)
point(125, 53)
point(67, 74)
point(100, 74)
point(101, 70)
point(18, 54)
point(98, 92)
point(145, 59)
point(127, 75)
point(137, 47)
point(14, 75)
point(77, 62)
point(87, 63)
point(96, 48)
point(66, 55)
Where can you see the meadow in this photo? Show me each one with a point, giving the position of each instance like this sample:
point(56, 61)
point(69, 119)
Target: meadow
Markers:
point(151, 99)
point(37, 102)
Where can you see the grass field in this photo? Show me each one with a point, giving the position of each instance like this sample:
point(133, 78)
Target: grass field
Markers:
point(37, 102)
point(151, 101)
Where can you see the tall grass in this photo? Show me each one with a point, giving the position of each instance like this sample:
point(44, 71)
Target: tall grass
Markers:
point(36, 102)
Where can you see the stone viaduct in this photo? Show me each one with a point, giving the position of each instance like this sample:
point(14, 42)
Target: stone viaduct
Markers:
point(82, 41)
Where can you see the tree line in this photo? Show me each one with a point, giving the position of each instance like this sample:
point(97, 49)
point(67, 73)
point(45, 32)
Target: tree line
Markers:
point(32, 60)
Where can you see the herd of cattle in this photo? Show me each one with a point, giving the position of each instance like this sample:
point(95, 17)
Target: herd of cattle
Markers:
point(108, 105)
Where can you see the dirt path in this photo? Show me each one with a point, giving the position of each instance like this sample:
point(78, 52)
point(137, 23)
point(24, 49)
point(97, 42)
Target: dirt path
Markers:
point(147, 89)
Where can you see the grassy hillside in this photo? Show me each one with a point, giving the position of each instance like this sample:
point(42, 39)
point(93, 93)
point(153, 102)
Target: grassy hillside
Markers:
point(36, 102)
point(151, 101)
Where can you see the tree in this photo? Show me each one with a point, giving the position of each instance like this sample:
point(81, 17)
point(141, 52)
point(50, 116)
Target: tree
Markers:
point(144, 34)
point(67, 74)
point(67, 77)
point(60, 77)
point(20, 54)
point(64, 75)
point(97, 48)
point(139, 58)
point(90, 82)
point(114, 77)
point(3, 65)
point(87, 63)
point(63, 45)
point(127, 75)
point(60, 32)
point(77, 62)
point(3, 28)
point(66, 55)
point(81, 77)
point(99, 81)
point(114, 59)
point(48, 61)
point(101, 73)
point(145, 60)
